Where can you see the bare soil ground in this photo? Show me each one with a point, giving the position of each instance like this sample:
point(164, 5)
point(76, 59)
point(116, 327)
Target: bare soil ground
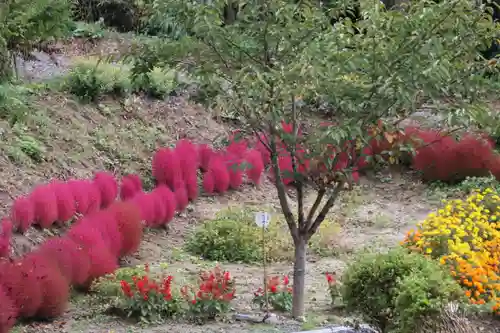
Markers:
point(121, 136)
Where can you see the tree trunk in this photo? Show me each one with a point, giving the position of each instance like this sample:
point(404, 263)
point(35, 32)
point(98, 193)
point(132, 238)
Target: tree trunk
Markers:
point(299, 277)
point(5, 65)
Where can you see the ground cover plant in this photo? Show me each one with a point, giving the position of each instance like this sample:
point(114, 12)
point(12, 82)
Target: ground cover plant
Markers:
point(463, 236)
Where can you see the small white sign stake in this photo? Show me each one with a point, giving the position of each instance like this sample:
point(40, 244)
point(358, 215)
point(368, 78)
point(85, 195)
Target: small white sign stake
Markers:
point(263, 219)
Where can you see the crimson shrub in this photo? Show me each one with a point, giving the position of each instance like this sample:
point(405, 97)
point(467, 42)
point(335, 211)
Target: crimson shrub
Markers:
point(23, 213)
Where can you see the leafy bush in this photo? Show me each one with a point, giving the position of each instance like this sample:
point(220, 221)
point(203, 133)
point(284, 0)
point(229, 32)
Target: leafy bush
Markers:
point(110, 286)
point(233, 236)
point(90, 31)
point(89, 80)
point(27, 25)
point(14, 102)
point(396, 290)
point(212, 296)
point(227, 238)
point(464, 236)
point(279, 294)
point(31, 147)
point(157, 83)
point(124, 15)
point(467, 186)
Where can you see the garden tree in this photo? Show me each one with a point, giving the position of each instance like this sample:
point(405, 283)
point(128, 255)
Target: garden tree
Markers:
point(27, 25)
point(278, 52)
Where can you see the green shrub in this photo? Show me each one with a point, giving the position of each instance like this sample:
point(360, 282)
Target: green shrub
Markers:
point(157, 83)
point(229, 237)
point(90, 31)
point(109, 286)
point(14, 102)
point(90, 80)
point(31, 147)
point(123, 15)
point(397, 290)
point(27, 25)
point(441, 191)
point(233, 236)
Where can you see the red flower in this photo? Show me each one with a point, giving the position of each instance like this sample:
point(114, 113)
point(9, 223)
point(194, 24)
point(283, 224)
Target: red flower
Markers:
point(227, 276)
point(330, 277)
point(193, 301)
point(127, 290)
point(273, 289)
point(286, 280)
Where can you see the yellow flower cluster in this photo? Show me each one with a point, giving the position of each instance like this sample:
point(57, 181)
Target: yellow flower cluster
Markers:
point(465, 236)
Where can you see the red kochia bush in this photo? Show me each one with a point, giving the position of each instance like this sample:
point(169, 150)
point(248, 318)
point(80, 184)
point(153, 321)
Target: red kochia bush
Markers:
point(108, 187)
point(21, 285)
point(102, 261)
point(22, 213)
point(205, 153)
point(104, 221)
point(8, 312)
point(209, 182)
point(160, 210)
point(85, 234)
point(60, 252)
point(145, 206)
point(234, 167)
point(128, 218)
point(66, 204)
point(254, 166)
point(166, 167)
point(136, 180)
point(80, 260)
point(80, 191)
point(237, 146)
point(441, 157)
point(45, 201)
point(6, 227)
point(167, 198)
point(187, 154)
point(54, 287)
point(220, 174)
point(192, 186)
point(95, 199)
point(128, 188)
point(181, 197)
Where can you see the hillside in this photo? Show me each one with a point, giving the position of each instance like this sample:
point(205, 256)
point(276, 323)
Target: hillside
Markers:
point(56, 135)
point(75, 140)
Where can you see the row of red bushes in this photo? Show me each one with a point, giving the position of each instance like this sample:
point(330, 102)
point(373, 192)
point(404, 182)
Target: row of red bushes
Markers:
point(38, 284)
point(437, 155)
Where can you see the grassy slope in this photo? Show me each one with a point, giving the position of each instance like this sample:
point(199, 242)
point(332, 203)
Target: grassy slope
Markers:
point(75, 140)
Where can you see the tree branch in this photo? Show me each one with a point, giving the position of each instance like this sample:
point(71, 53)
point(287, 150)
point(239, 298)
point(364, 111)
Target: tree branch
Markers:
point(280, 187)
point(326, 208)
point(314, 208)
point(299, 185)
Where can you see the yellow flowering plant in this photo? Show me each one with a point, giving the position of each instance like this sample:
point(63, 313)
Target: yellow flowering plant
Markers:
point(464, 235)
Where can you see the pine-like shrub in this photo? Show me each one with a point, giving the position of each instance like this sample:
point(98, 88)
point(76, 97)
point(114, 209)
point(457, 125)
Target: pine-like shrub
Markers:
point(108, 187)
point(22, 213)
point(45, 201)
